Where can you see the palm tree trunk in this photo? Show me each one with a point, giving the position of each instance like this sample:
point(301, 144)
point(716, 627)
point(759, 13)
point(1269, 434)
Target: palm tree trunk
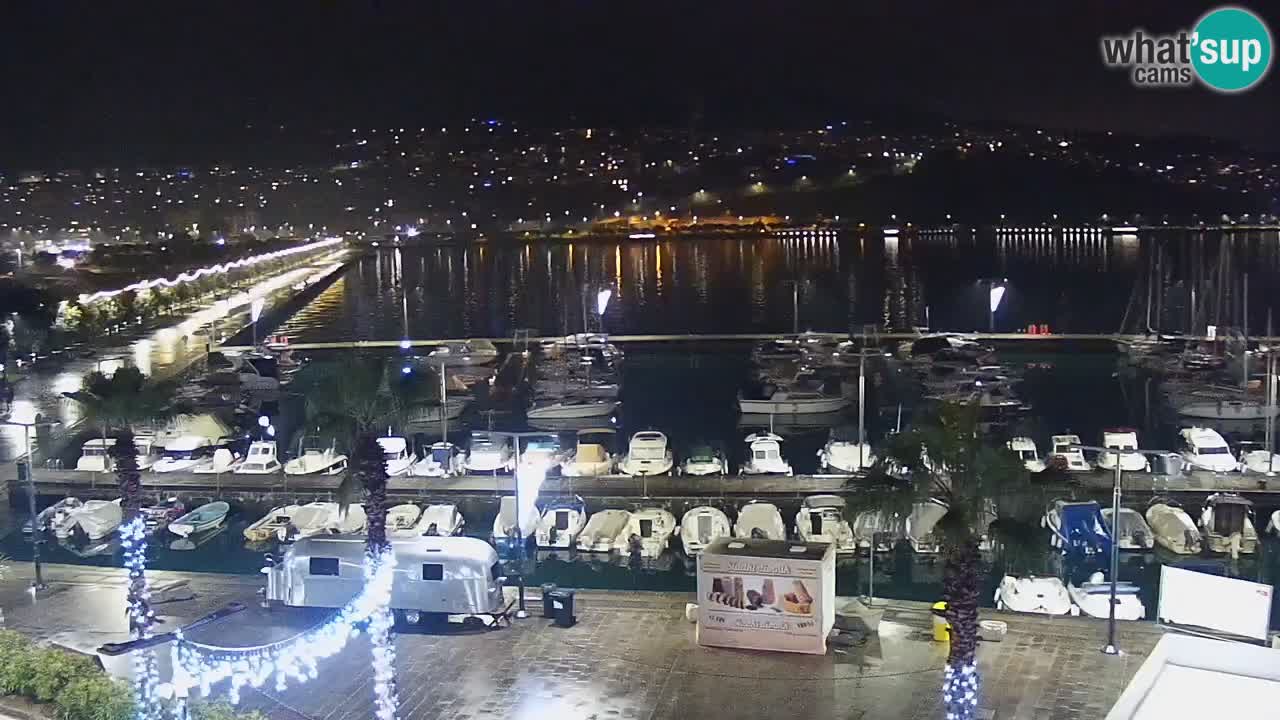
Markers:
point(371, 469)
point(960, 591)
point(124, 455)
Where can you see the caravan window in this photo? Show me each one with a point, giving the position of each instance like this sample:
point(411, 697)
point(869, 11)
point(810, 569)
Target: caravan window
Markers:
point(324, 566)
point(432, 571)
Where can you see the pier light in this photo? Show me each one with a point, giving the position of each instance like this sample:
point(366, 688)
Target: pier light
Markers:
point(406, 370)
point(263, 421)
point(404, 344)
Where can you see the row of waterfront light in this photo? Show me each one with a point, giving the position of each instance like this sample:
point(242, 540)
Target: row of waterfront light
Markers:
point(90, 298)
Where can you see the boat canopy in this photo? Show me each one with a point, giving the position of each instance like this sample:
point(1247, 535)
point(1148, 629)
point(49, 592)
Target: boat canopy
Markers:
point(1130, 524)
point(1082, 526)
point(1229, 514)
point(701, 454)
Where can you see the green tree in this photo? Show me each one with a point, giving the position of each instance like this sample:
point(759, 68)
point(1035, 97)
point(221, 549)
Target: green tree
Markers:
point(944, 459)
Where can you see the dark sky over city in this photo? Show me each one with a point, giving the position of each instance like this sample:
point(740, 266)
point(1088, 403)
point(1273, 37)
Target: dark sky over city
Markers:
point(95, 81)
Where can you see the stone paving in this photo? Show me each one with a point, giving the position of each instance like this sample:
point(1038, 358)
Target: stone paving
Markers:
point(631, 655)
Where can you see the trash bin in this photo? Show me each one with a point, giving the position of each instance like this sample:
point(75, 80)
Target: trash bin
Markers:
point(563, 605)
point(548, 604)
point(941, 628)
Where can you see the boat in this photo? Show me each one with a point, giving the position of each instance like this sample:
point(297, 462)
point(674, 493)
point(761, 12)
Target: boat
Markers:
point(1066, 450)
point(844, 454)
point(206, 517)
point(1093, 598)
point(1226, 523)
point(476, 351)
point(602, 530)
point(316, 459)
point(1133, 532)
point(561, 523)
point(490, 453)
point(95, 454)
point(821, 519)
point(183, 454)
point(1273, 525)
point(703, 460)
point(95, 518)
point(1123, 439)
point(951, 343)
point(647, 454)
point(921, 524)
point(505, 532)
point(1221, 404)
point(541, 453)
point(760, 520)
point(1039, 595)
point(203, 425)
point(1255, 458)
point(443, 459)
point(773, 351)
point(53, 515)
point(701, 526)
point(395, 452)
point(1173, 528)
point(603, 388)
point(648, 532)
point(571, 408)
point(875, 530)
point(432, 415)
point(443, 519)
point(1025, 449)
point(260, 460)
point(158, 516)
point(402, 520)
point(323, 518)
point(791, 401)
point(591, 458)
point(1077, 527)
point(223, 460)
point(764, 456)
point(1204, 449)
point(268, 526)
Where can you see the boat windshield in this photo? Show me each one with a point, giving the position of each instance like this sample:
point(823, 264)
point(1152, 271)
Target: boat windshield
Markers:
point(95, 452)
point(179, 454)
point(391, 455)
point(701, 455)
point(441, 455)
point(1214, 450)
point(1027, 454)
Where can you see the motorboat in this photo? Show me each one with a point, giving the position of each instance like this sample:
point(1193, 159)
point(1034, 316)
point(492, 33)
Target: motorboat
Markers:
point(203, 425)
point(260, 460)
point(773, 351)
point(206, 517)
point(1126, 441)
point(53, 515)
point(603, 388)
point(1204, 449)
point(649, 531)
point(1094, 598)
point(1226, 523)
point(1255, 458)
point(443, 459)
point(490, 453)
point(1039, 595)
point(957, 345)
point(476, 351)
point(760, 520)
point(701, 526)
point(432, 415)
point(921, 527)
point(1025, 449)
point(1133, 532)
point(223, 460)
point(703, 460)
point(1077, 527)
point(95, 518)
point(561, 523)
point(764, 456)
point(541, 453)
point(571, 408)
point(157, 517)
point(1173, 528)
point(395, 452)
point(506, 534)
point(876, 530)
point(95, 454)
point(1221, 404)
point(591, 458)
point(323, 518)
point(779, 401)
point(402, 520)
point(317, 459)
point(1066, 448)
point(602, 530)
point(183, 454)
point(844, 454)
point(268, 526)
point(443, 519)
point(821, 519)
point(647, 454)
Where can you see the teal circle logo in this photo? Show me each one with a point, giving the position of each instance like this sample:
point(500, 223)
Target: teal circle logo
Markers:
point(1231, 49)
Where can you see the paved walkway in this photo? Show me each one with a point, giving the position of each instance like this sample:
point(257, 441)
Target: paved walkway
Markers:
point(632, 655)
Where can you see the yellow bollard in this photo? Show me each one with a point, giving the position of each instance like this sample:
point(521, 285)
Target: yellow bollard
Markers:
point(941, 628)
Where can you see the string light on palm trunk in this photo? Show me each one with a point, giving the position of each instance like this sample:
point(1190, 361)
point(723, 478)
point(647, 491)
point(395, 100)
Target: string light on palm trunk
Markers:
point(960, 691)
point(133, 540)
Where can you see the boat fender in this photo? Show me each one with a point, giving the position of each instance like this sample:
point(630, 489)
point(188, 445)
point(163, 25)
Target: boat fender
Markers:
point(691, 612)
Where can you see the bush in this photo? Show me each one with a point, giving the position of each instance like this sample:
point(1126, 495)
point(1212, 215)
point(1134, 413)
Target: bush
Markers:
point(221, 711)
point(54, 669)
point(17, 664)
point(96, 697)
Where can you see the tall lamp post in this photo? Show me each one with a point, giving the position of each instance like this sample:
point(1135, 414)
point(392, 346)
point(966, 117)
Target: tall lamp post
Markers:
point(1111, 648)
point(37, 537)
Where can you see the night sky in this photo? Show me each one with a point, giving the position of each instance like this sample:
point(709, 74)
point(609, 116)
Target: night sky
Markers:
point(104, 81)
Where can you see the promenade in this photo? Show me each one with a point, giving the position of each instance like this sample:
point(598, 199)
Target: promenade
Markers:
point(631, 655)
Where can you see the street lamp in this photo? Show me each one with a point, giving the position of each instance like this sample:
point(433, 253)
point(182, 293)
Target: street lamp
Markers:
point(995, 295)
point(36, 537)
point(1111, 648)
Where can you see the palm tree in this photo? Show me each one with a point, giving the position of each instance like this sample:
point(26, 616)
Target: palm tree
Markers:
point(944, 459)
